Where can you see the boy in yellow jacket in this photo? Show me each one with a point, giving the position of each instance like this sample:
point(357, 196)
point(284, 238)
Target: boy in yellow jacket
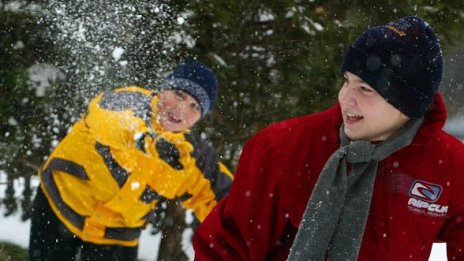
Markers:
point(131, 150)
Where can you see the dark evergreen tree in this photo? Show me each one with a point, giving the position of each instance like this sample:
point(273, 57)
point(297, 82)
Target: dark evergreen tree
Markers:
point(280, 59)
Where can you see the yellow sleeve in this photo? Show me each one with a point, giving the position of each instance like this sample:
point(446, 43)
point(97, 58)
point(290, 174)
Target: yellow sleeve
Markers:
point(165, 164)
point(209, 179)
point(115, 118)
point(204, 196)
point(199, 197)
point(170, 170)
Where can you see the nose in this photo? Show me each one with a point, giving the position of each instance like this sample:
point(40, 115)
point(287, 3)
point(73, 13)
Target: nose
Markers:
point(346, 95)
point(182, 108)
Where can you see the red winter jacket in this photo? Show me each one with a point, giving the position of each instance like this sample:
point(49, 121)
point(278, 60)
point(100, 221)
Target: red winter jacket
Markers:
point(418, 196)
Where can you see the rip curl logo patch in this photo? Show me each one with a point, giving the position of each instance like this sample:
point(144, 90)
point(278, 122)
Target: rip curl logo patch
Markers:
point(425, 191)
point(423, 196)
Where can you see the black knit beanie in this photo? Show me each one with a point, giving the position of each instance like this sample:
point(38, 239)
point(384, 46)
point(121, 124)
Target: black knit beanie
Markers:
point(196, 79)
point(402, 61)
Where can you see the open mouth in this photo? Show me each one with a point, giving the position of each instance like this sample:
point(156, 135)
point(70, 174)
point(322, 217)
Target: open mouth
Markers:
point(352, 118)
point(173, 118)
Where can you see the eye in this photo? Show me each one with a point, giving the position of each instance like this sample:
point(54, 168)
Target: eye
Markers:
point(366, 89)
point(180, 95)
point(345, 80)
point(195, 106)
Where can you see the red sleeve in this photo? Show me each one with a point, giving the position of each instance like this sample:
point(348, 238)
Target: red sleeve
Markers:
point(248, 223)
point(453, 230)
point(453, 235)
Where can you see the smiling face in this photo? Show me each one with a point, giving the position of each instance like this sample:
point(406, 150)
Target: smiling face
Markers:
point(366, 114)
point(177, 110)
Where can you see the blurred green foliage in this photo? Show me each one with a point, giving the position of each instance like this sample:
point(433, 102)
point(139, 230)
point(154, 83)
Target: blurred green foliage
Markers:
point(25, 135)
point(280, 59)
point(9, 251)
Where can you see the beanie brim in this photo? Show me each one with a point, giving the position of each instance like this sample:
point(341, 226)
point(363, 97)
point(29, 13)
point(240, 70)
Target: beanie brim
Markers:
point(190, 87)
point(405, 97)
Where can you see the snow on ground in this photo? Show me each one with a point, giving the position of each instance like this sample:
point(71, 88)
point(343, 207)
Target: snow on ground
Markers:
point(15, 231)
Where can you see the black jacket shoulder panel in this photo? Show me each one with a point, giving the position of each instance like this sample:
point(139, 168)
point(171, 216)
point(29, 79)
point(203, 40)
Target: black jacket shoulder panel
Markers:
point(208, 162)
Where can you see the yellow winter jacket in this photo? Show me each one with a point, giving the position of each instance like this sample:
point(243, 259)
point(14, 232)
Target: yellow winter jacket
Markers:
point(106, 176)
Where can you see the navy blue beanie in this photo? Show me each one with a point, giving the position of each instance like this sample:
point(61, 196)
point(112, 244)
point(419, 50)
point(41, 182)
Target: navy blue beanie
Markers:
point(196, 79)
point(402, 61)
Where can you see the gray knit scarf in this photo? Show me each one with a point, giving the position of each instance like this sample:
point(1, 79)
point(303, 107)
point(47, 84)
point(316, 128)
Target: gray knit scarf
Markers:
point(335, 217)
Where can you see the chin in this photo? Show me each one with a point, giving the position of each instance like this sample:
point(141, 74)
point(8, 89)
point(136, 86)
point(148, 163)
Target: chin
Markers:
point(353, 136)
point(170, 128)
point(174, 128)
point(349, 134)
point(166, 126)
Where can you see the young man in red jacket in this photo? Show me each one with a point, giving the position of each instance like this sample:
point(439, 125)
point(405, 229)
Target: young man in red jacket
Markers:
point(372, 178)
